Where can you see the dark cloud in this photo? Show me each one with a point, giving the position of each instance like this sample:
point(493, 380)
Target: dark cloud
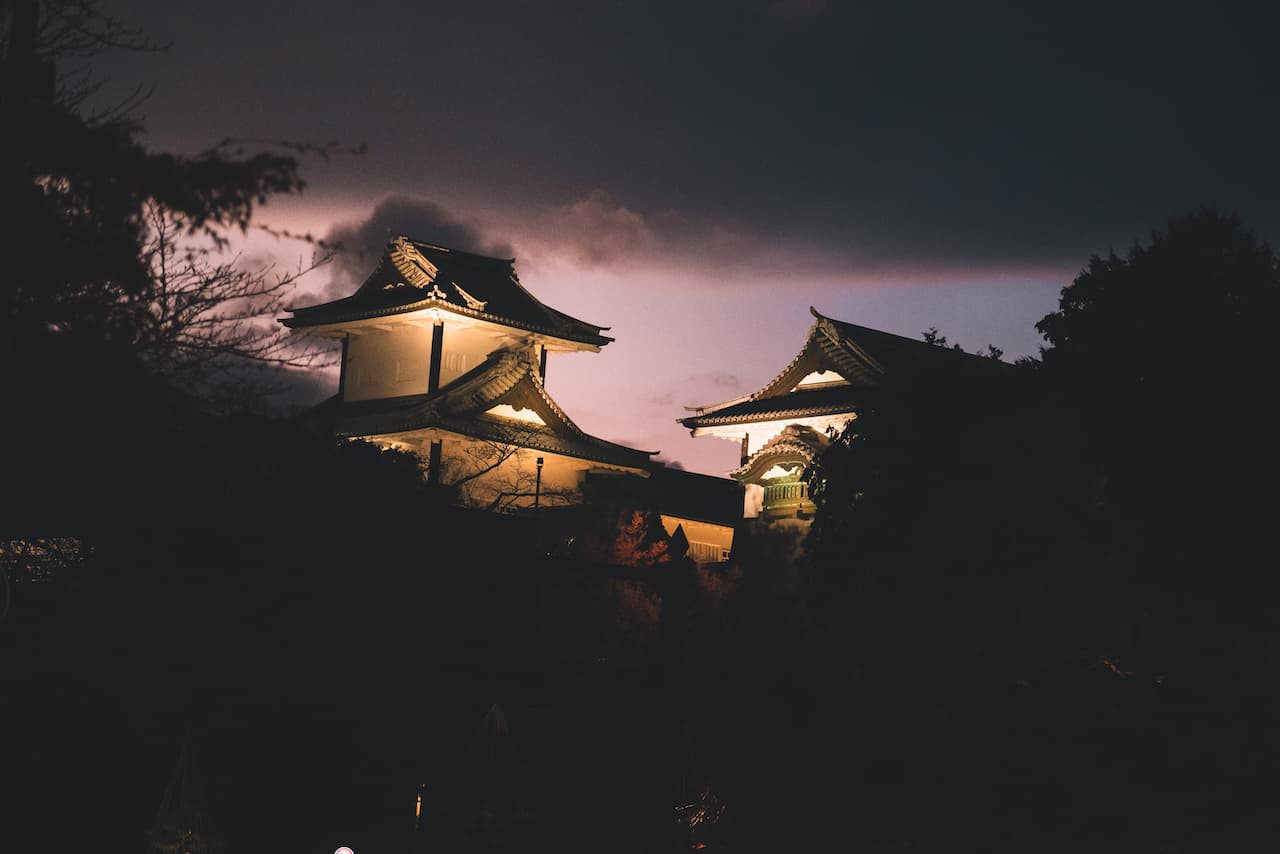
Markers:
point(984, 133)
point(361, 243)
point(600, 231)
point(597, 231)
point(797, 8)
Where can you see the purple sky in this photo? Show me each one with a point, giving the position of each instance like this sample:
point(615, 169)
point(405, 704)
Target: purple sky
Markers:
point(696, 175)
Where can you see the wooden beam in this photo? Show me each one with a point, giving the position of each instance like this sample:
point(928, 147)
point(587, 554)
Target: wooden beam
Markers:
point(433, 462)
point(342, 369)
point(437, 351)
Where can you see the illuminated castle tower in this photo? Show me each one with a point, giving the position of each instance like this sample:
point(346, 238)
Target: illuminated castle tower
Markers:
point(444, 353)
point(784, 426)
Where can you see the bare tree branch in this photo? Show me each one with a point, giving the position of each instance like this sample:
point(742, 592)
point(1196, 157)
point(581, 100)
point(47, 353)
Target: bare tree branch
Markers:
point(206, 320)
point(486, 473)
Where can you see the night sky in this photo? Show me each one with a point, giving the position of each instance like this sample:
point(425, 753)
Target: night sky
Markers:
point(695, 175)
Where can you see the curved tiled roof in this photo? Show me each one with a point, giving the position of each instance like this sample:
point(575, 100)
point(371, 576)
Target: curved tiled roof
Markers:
point(413, 275)
point(506, 376)
point(825, 345)
point(861, 355)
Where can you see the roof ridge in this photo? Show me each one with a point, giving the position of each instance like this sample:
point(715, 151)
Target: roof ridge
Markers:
point(841, 342)
point(450, 249)
point(554, 316)
point(919, 342)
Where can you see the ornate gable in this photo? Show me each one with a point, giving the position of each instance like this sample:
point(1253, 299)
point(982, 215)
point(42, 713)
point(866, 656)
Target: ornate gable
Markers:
point(411, 263)
point(818, 381)
point(794, 448)
point(826, 349)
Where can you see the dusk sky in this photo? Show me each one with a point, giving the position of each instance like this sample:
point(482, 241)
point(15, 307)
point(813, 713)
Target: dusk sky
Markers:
point(696, 175)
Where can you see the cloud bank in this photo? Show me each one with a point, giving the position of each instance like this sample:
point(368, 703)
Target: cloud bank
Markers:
point(361, 242)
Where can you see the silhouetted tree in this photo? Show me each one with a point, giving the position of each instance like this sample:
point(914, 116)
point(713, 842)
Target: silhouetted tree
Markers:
point(1044, 617)
point(110, 244)
point(1167, 353)
point(114, 307)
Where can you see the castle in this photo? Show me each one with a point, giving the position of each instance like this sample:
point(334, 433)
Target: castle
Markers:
point(444, 353)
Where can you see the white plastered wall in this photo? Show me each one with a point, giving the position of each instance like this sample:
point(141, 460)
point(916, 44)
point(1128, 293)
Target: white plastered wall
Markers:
point(462, 348)
point(396, 362)
point(388, 363)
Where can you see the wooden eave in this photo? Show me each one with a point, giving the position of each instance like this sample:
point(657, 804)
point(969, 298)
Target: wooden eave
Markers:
point(506, 377)
point(806, 403)
point(418, 313)
point(407, 279)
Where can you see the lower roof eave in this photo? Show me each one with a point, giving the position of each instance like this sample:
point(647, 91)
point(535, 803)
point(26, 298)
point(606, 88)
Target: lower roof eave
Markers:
point(630, 459)
point(316, 320)
point(765, 417)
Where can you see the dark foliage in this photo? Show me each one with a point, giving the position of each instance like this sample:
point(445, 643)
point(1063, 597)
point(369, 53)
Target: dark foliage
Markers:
point(1167, 354)
point(332, 633)
point(302, 606)
point(77, 196)
point(1035, 612)
point(115, 247)
point(1046, 614)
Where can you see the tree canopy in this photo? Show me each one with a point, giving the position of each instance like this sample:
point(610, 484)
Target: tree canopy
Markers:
point(108, 243)
point(1060, 579)
point(119, 317)
point(1167, 353)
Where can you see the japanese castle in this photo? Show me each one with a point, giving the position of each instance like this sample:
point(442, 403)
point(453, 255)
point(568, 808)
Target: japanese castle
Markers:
point(444, 354)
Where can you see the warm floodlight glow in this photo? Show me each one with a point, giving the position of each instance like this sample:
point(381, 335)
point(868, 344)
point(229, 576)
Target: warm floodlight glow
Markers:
point(506, 410)
point(344, 850)
point(822, 378)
